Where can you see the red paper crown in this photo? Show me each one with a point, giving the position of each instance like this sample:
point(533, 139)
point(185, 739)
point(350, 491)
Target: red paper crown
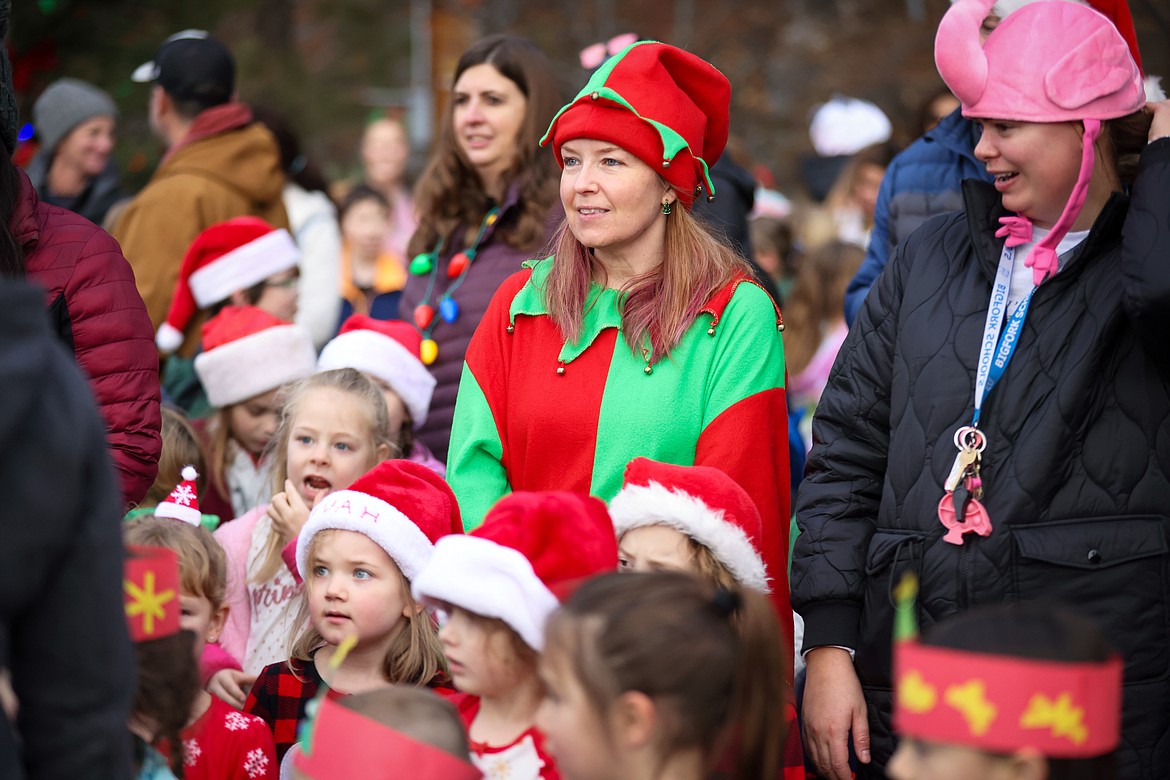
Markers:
point(151, 592)
point(1002, 704)
point(346, 744)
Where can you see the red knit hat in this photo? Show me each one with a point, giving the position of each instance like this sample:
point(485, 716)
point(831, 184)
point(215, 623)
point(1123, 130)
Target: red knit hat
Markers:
point(403, 506)
point(387, 350)
point(701, 502)
point(664, 105)
point(247, 351)
point(532, 550)
point(151, 592)
point(226, 257)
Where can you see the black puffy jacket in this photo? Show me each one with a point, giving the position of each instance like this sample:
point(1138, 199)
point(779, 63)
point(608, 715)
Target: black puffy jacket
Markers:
point(1077, 467)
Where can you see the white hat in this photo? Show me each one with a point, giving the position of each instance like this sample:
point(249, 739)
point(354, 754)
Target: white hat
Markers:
point(248, 351)
point(844, 126)
point(530, 552)
point(387, 350)
point(702, 502)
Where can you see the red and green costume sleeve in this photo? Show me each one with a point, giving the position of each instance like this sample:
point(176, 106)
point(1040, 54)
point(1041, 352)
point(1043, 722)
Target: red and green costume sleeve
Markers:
point(523, 423)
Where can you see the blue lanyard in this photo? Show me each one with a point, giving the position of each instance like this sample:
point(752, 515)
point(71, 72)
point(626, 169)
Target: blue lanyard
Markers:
point(999, 342)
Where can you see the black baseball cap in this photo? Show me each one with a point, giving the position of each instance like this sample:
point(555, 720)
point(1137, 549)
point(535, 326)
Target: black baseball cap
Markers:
point(191, 65)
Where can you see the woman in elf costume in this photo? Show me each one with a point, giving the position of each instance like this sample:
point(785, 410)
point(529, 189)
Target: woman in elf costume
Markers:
point(996, 420)
point(643, 334)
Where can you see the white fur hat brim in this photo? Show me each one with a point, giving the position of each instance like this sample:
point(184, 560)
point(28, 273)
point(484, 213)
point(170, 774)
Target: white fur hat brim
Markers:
point(384, 358)
point(491, 580)
point(244, 267)
point(637, 506)
point(388, 527)
point(255, 364)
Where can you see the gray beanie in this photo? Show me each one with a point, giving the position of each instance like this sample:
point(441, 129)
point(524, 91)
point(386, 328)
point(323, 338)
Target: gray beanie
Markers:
point(64, 105)
point(8, 119)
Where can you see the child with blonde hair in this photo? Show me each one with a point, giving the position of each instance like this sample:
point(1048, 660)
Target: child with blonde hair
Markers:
point(248, 355)
point(493, 590)
point(387, 352)
point(333, 429)
point(219, 742)
point(357, 554)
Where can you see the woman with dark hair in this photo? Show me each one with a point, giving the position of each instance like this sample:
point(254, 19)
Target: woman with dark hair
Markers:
point(996, 420)
point(483, 202)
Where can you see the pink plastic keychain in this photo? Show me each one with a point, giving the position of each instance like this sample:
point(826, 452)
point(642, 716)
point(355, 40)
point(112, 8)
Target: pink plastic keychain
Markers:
point(964, 488)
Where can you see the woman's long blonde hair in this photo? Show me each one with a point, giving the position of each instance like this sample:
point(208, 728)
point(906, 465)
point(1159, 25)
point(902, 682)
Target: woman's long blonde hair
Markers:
point(657, 307)
point(415, 656)
point(345, 380)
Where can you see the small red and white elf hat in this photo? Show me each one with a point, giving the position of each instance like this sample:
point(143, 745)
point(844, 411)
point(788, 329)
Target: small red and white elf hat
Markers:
point(387, 350)
point(701, 502)
point(403, 506)
point(183, 502)
point(248, 351)
point(226, 257)
point(532, 550)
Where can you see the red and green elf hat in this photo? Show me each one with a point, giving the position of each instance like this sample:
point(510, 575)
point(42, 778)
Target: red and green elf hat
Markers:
point(1001, 703)
point(664, 105)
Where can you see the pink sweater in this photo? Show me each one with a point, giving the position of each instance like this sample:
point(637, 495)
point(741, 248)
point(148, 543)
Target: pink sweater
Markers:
point(261, 614)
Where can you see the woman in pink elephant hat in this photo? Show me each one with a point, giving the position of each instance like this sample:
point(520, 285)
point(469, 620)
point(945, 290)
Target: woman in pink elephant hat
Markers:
point(997, 420)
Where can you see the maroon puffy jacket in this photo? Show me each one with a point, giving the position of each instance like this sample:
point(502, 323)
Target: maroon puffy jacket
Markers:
point(95, 308)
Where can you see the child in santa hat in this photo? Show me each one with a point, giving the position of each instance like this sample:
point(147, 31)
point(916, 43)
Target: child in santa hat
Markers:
point(493, 590)
point(654, 675)
point(333, 429)
point(376, 735)
point(248, 354)
point(241, 262)
point(698, 520)
point(219, 742)
point(1013, 690)
point(357, 554)
point(387, 351)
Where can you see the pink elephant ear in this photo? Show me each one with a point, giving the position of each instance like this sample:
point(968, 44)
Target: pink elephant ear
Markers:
point(958, 50)
point(1098, 66)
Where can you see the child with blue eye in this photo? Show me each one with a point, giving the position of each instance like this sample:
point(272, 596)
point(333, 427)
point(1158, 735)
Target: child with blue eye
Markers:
point(333, 429)
point(359, 628)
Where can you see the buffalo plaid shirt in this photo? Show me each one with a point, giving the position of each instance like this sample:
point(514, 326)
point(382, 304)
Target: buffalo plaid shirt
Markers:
point(279, 696)
point(282, 691)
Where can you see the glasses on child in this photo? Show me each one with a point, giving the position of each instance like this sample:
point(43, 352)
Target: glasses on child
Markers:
point(284, 283)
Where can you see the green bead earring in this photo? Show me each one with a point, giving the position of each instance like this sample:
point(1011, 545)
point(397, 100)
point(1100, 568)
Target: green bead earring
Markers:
point(666, 207)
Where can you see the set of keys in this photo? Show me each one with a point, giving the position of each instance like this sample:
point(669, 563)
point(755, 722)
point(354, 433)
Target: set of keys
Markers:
point(960, 510)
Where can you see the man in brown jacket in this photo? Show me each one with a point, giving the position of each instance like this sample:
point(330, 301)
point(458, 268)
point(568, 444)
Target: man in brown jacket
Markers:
point(219, 164)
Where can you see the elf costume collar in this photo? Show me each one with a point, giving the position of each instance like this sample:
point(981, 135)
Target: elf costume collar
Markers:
point(1001, 703)
point(664, 105)
point(602, 310)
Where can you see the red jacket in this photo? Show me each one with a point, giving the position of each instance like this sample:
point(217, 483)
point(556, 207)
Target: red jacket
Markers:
point(95, 308)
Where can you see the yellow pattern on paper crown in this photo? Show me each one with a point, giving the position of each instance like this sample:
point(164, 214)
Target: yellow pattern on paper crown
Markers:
point(915, 694)
point(146, 602)
point(970, 699)
point(1059, 715)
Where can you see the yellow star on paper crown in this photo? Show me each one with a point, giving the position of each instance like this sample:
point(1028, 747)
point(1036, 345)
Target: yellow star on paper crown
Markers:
point(146, 602)
point(915, 694)
point(970, 699)
point(1059, 715)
